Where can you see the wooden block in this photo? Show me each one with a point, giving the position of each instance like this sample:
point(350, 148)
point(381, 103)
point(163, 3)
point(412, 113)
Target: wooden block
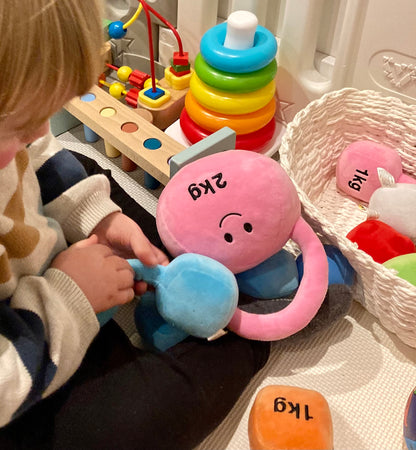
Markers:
point(180, 60)
point(165, 115)
point(287, 417)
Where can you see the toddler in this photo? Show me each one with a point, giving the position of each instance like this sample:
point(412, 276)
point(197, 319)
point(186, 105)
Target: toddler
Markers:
point(66, 229)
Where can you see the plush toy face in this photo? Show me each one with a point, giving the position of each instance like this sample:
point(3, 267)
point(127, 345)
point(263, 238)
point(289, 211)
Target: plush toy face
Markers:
point(237, 207)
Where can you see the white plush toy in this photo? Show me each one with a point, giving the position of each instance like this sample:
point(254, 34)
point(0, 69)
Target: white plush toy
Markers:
point(394, 204)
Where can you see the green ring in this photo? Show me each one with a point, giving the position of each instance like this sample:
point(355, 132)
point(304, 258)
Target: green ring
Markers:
point(234, 82)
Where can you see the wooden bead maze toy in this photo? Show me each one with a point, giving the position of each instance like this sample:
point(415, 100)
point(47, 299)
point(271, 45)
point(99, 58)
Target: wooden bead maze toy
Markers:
point(124, 125)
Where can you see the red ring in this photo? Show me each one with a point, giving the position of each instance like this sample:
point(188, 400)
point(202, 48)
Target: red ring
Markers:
point(251, 141)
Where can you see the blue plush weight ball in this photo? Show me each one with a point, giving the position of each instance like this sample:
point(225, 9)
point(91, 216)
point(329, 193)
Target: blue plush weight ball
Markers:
point(105, 316)
point(277, 277)
point(195, 293)
point(340, 270)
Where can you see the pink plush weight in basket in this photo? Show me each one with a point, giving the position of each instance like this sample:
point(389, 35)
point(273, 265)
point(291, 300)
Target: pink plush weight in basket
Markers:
point(309, 152)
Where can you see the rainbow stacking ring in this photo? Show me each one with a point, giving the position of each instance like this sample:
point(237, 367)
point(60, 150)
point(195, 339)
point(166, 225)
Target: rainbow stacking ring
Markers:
point(251, 141)
point(240, 123)
point(229, 102)
point(239, 83)
point(238, 61)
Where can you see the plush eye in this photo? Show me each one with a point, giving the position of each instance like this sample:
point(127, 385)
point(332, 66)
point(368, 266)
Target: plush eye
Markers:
point(248, 227)
point(228, 237)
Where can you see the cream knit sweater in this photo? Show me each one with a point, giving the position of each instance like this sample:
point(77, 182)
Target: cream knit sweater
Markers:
point(46, 322)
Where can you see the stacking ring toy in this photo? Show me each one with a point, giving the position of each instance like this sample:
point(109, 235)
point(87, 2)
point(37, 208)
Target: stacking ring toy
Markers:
point(240, 123)
point(229, 102)
point(251, 141)
point(238, 61)
point(239, 83)
point(256, 141)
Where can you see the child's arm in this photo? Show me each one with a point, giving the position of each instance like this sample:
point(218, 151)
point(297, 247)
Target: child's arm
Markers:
point(49, 321)
point(47, 316)
point(82, 205)
point(45, 330)
point(77, 201)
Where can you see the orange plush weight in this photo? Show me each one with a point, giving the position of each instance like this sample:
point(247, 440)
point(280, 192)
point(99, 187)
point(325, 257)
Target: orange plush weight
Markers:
point(288, 417)
point(380, 241)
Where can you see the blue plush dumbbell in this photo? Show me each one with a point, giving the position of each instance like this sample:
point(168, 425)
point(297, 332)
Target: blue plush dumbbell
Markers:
point(194, 293)
point(152, 327)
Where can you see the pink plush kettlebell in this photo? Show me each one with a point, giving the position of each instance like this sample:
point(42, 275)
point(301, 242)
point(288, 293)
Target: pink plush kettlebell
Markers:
point(356, 171)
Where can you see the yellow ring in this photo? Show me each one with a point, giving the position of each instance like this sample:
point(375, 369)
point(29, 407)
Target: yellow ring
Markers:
point(240, 123)
point(229, 102)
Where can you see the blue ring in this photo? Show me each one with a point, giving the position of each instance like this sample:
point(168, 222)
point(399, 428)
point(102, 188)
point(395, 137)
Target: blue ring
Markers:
point(238, 61)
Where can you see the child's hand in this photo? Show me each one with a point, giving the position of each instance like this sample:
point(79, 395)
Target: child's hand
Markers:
point(127, 240)
point(106, 279)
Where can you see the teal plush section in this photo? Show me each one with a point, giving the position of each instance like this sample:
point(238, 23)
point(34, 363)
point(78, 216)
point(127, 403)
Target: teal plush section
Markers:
point(194, 293)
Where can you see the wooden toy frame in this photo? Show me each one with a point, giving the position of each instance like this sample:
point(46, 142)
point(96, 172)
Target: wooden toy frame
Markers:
point(131, 144)
point(161, 163)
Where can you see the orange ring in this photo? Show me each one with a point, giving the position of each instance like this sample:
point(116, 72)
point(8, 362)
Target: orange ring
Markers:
point(241, 123)
point(251, 141)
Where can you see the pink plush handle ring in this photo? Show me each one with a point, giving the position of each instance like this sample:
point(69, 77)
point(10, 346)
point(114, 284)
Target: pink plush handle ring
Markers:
point(307, 301)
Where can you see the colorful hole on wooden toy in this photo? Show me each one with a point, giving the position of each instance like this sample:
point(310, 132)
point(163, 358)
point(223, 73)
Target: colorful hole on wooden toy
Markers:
point(89, 97)
point(152, 144)
point(108, 112)
point(129, 127)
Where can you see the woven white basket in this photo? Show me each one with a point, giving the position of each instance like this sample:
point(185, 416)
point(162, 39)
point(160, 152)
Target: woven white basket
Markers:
point(309, 153)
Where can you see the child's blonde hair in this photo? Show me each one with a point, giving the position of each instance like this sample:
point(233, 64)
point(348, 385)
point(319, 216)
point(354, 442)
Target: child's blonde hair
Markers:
point(49, 51)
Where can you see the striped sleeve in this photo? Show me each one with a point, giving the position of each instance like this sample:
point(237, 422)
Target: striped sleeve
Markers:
point(78, 202)
point(36, 359)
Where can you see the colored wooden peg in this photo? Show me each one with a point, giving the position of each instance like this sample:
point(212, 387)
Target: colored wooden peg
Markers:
point(127, 164)
point(90, 135)
point(110, 150)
